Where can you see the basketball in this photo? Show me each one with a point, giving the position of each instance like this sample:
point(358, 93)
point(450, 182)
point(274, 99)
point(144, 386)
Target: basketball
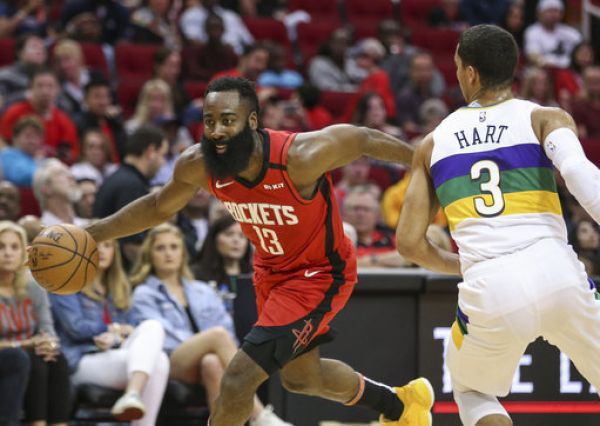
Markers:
point(63, 258)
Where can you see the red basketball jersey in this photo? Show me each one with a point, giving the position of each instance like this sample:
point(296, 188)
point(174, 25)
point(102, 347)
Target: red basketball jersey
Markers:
point(288, 231)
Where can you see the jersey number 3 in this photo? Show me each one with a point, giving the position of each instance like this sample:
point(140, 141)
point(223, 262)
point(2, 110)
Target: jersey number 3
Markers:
point(269, 241)
point(490, 187)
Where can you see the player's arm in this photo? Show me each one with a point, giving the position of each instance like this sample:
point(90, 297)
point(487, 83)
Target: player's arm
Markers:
point(557, 132)
point(420, 206)
point(315, 153)
point(155, 208)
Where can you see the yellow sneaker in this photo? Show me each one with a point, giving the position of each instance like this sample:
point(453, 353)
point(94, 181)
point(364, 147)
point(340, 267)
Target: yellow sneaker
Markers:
point(417, 397)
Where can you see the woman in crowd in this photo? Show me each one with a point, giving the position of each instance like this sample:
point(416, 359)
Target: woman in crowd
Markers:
point(198, 328)
point(29, 344)
point(104, 349)
point(538, 87)
point(370, 111)
point(95, 162)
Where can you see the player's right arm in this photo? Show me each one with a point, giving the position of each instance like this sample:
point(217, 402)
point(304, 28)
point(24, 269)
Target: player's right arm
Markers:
point(153, 209)
point(557, 132)
point(418, 211)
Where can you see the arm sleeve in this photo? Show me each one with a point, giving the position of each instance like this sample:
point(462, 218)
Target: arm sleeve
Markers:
point(581, 176)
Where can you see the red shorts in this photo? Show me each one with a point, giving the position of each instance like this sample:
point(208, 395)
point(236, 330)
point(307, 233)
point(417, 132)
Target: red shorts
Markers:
point(295, 309)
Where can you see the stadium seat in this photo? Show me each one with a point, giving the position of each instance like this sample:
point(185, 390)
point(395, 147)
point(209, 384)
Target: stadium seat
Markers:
point(365, 16)
point(134, 60)
point(7, 51)
point(127, 94)
point(29, 204)
point(267, 29)
point(591, 148)
point(336, 102)
point(94, 57)
point(195, 89)
point(415, 13)
point(319, 10)
point(312, 34)
point(435, 40)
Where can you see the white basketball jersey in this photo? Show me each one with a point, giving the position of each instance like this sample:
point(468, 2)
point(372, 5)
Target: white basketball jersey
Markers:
point(494, 181)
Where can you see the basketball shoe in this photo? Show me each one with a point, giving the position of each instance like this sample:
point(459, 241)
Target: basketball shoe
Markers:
point(417, 397)
point(268, 418)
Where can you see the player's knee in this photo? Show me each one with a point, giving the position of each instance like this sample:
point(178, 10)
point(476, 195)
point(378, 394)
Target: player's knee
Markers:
point(298, 384)
point(237, 383)
point(495, 420)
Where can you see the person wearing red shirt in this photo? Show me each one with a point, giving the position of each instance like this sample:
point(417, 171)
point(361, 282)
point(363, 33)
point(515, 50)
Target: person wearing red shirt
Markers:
point(251, 64)
point(60, 134)
point(278, 186)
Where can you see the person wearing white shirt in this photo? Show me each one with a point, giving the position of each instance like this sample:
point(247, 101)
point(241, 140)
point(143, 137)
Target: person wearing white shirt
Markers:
point(548, 42)
point(192, 24)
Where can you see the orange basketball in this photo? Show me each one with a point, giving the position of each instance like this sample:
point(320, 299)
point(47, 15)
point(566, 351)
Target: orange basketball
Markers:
point(63, 258)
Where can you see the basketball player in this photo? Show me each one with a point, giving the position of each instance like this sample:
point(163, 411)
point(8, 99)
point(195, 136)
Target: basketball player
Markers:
point(489, 166)
point(277, 185)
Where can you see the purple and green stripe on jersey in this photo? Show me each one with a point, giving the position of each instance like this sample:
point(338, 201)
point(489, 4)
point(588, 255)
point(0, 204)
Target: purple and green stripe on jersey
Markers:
point(526, 182)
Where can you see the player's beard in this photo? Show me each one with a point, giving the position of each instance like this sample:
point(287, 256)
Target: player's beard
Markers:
point(235, 159)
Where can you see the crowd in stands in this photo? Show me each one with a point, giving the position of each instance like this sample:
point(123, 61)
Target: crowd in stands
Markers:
point(99, 98)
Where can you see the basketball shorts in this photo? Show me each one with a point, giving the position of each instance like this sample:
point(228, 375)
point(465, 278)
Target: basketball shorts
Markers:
point(295, 309)
point(508, 302)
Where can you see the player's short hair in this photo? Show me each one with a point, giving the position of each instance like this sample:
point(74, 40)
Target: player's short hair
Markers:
point(492, 51)
point(245, 88)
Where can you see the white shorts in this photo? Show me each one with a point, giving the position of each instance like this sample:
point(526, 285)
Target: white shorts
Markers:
point(506, 303)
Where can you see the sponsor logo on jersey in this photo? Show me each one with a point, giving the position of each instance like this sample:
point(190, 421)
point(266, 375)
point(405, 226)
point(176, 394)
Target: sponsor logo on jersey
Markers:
point(220, 184)
point(274, 186)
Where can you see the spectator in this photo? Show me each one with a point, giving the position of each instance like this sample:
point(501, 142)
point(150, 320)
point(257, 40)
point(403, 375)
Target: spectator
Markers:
point(20, 17)
point(167, 67)
point(179, 139)
point(330, 69)
point(277, 75)
point(154, 106)
point(353, 175)
point(514, 21)
point(316, 115)
point(370, 111)
point(250, 65)
point(477, 12)
point(85, 206)
point(32, 226)
point(30, 54)
point(193, 18)
point(113, 16)
point(538, 87)
point(419, 88)
point(99, 114)
point(547, 41)
point(586, 109)
point(225, 255)
point(56, 191)
point(568, 82)
point(47, 396)
point(196, 212)
point(151, 24)
point(369, 54)
point(376, 243)
point(431, 113)
point(199, 331)
point(448, 15)
point(95, 161)
point(14, 375)
point(102, 346)
point(145, 154)
point(203, 60)
point(21, 160)
point(586, 242)
point(10, 201)
point(60, 133)
point(73, 74)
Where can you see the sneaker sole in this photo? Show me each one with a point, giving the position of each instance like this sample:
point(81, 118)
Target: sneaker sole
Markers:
point(432, 394)
point(129, 414)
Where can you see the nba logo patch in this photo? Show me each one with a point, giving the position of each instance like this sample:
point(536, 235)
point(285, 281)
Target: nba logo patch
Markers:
point(482, 116)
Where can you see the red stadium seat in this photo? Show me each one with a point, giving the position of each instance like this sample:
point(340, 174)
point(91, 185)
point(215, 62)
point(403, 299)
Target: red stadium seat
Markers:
point(7, 51)
point(318, 9)
point(435, 40)
point(134, 60)
point(336, 102)
point(94, 57)
point(267, 29)
point(312, 34)
point(127, 94)
point(415, 13)
point(29, 204)
point(365, 16)
point(591, 148)
point(195, 89)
